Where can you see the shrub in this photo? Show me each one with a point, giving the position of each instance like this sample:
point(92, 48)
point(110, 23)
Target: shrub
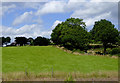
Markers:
point(99, 53)
point(115, 51)
point(108, 51)
point(78, 50)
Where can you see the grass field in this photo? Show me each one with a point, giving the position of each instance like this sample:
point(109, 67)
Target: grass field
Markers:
point(47, 59)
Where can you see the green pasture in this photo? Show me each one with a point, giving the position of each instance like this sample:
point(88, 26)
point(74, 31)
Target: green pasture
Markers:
point(39, 59)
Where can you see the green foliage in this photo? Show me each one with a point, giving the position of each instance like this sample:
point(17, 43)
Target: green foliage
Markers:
point(78, 50)
point(105, 32)
point(115, 51)
point(3, 40)
point(30, 40)
point(118, 39)
point(41, 41)
point(108, 51)
point(56, 33)
point(71, 34)
point(6, 40)
point(69, 79)
point(21, 40)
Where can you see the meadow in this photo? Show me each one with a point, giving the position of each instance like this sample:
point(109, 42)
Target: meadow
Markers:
point(47, 61)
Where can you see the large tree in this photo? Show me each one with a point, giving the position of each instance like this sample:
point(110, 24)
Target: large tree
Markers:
point(105, 32)
point(71, 34)
point(56, 33)
point(118, 43)
point(21, 40)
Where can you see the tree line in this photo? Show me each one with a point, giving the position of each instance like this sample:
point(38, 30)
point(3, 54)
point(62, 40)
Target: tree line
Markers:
point(5, 40)
point(22, 41)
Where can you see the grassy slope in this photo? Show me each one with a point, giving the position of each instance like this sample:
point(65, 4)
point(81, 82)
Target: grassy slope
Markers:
point(42, 58)
point(0, 63)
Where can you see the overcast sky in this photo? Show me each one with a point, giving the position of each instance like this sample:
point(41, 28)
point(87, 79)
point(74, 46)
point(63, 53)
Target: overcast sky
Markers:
point(39, 18)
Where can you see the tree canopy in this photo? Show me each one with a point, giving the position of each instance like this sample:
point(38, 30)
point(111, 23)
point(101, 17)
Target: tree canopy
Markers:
point(21, 40)
point(6, 40)
point(71, 34)
point(41, 41)
point(30, 40)
point(105, 32)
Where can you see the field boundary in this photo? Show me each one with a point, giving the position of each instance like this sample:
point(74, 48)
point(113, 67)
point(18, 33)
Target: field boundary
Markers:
point(77, 53)
point(61, 76)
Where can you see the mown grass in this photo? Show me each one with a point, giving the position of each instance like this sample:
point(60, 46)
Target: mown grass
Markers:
point(42, 59)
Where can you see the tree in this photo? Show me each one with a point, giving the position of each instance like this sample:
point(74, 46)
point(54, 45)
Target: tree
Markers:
point(3, 40)
point(56, 33)
point(6, 40)
point(118, 42)
point(0, 41)
point(30, 40)
point(71, 34)
point(105, 32)
point(41, 41)
point(21, 40)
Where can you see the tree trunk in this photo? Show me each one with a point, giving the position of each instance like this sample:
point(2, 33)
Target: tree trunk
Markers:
point(105, 47)
point(104, 50)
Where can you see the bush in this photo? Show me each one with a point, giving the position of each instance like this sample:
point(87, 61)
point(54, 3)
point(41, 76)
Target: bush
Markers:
point(115, 51)
point(99, 53)
point(78, 50)
point(108, 51)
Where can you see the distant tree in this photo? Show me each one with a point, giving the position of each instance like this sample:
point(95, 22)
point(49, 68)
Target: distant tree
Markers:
point(105, 32)
point(71, 34)
point(21, 40)
point(6, 40)
point(31, 41)
point(0, 41)
point(41, 41)
point(3, 40)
